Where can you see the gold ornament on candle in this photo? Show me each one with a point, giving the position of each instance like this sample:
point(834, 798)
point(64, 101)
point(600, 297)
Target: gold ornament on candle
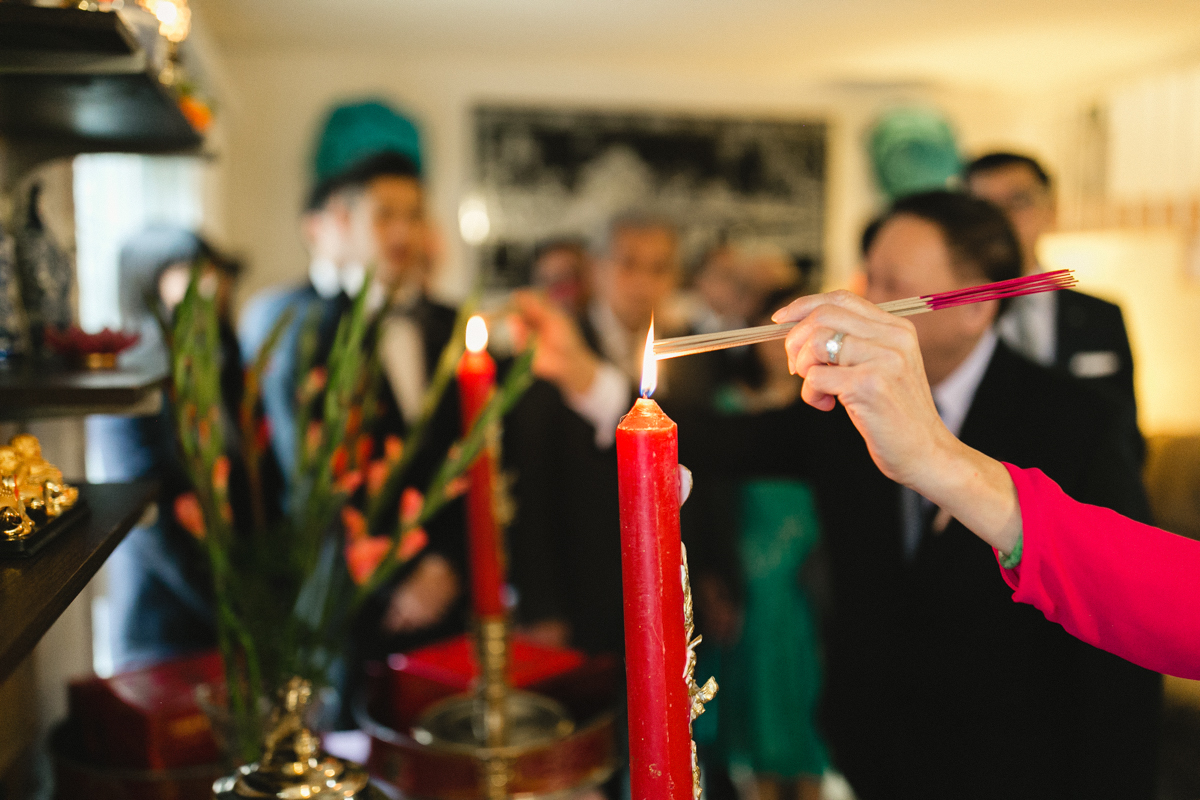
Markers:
point(698, 695)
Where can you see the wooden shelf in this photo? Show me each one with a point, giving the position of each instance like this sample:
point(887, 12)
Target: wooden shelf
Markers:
point(34, 390)
point(34, 39)
point(75, 81)
point(35, 591)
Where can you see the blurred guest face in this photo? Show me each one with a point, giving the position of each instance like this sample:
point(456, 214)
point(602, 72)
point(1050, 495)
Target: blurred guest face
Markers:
point(723, 285)
point(561, 274)
point(174, 280)
point(639, 273)
point(327, 229)
point(1028, 204)
point(391, 231)
point(908, 258)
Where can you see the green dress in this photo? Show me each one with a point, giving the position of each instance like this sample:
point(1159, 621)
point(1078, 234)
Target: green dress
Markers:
point(770, 679)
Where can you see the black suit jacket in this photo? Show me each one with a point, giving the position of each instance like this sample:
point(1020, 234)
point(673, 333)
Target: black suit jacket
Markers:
point(1089, 325)
point(938, 685)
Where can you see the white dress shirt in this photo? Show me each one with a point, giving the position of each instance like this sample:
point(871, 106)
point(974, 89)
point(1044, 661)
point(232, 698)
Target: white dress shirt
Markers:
point(607, 399)
point(1030, 327)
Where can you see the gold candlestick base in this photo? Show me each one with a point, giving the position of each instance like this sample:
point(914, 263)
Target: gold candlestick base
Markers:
point(293, 766)
point(490, 719)
point(495, 722)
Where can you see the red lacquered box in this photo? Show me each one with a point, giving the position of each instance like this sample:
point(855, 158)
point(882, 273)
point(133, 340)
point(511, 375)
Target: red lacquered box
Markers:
point(420, 678)
point(147, 718)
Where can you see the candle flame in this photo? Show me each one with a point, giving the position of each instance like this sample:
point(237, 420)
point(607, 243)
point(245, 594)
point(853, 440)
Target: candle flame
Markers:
point(477, 334)
point(649, 365)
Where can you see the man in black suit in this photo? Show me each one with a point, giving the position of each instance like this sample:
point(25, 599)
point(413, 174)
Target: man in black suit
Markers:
point(938, 685)
point(368, 207)
point(1068, 330)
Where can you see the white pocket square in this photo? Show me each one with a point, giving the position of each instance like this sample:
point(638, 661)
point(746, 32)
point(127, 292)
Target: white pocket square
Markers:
point(1094, 364)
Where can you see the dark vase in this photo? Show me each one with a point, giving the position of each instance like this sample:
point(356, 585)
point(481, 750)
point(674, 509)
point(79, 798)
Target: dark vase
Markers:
point(13, 326)
point(46, 274)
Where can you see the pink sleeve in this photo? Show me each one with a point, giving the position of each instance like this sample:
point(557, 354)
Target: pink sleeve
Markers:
point(1125, 587)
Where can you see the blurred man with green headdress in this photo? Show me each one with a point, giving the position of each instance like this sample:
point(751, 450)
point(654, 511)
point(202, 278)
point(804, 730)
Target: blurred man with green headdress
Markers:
point(366, 211)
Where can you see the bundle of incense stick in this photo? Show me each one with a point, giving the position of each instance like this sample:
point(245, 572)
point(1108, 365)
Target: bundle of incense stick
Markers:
point(1030, 284)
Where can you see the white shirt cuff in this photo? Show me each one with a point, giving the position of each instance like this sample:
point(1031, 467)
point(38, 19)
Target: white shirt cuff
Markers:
point(604, 403)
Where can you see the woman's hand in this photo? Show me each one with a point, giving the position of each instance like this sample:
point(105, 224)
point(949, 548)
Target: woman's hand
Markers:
point(880, 379)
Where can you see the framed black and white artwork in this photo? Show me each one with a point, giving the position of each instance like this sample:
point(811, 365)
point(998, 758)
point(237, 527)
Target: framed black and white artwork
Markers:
point(544, 172)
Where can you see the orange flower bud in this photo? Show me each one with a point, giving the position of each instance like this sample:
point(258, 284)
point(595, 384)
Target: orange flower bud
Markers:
point(317, 377)
point(312, 437)
point(264, 434)
point(340, 461)
point(350, 481)
point(355, 524)
point(363, 449)
point(393, 448)
point(189, 514)
point(377, 472)
point(220, 474)
point(411, 543)
point(353, 420)
point(364, 555)
point(411, 502)
point(202, 431)
point(457, 487)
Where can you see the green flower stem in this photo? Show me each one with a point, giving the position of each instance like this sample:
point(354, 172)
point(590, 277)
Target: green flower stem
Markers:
point(377, 509)
point(462, 454)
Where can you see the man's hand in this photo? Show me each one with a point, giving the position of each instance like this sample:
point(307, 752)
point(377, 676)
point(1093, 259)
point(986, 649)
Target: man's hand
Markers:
point(423, 598)
point(563, 357)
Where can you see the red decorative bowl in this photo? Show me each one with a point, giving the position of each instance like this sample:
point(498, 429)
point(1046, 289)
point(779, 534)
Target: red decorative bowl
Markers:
point(95, 350)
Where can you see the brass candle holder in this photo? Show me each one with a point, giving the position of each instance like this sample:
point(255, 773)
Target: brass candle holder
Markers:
point(495, 723)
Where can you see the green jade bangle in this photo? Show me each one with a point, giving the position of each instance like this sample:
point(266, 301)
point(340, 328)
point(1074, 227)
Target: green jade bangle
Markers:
point(1011, 560)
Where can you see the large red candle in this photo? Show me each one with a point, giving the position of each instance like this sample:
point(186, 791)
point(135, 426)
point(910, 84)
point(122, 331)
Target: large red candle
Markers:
point(476, 383)
point(660, 750)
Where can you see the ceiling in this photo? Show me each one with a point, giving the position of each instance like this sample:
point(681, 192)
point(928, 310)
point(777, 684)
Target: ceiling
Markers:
point(1019, 44)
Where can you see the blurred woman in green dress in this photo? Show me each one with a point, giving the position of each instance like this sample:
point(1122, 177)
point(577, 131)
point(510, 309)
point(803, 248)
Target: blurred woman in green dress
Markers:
point(770, 674)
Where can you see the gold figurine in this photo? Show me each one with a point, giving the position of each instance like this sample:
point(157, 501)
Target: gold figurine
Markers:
point(698, 695)
point(293, 765)
point(14, 521)
point(41, 483)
